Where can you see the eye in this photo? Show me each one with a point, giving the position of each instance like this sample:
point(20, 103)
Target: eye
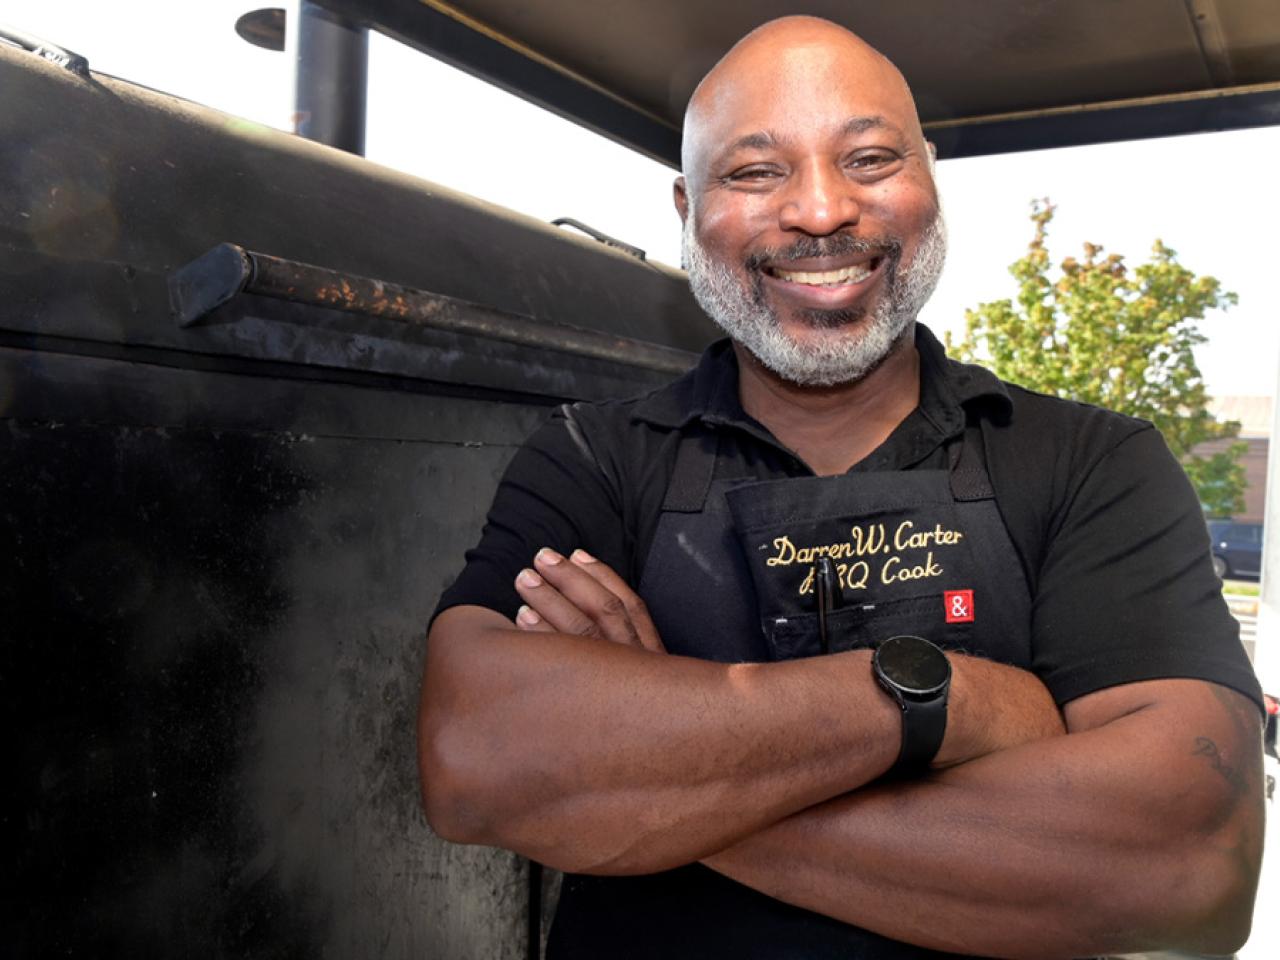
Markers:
point(872, 161)
point(755, 173)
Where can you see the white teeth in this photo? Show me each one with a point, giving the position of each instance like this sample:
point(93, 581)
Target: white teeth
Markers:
point(827, 278)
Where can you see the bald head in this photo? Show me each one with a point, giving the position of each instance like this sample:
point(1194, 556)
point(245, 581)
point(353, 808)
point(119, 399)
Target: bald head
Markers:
point(784, 55)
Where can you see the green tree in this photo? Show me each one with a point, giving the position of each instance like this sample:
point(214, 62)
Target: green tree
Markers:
point(1118, 338)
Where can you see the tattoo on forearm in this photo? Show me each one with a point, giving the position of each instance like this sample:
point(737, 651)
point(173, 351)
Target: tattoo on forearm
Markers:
point(1208, 749)
point(1243, 775)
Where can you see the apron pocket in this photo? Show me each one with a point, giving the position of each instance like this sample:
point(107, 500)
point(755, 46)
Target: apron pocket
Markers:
point(889, 536)
point(857, 626)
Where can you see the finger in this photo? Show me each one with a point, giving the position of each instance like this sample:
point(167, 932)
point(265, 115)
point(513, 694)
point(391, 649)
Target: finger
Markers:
point(550, 607)
point(557, 610)
point(530, 621)
point(637, 611)
point(604, 608)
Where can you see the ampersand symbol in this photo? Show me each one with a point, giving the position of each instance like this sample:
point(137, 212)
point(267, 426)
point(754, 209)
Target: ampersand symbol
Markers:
point(959, 606)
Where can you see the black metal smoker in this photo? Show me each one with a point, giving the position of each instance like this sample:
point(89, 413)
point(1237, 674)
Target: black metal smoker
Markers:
point(255, 396)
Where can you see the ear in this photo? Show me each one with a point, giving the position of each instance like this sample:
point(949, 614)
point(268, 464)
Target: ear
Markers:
point(681, 196)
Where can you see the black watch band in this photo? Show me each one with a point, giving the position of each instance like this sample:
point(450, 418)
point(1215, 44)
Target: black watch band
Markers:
point(917, 675)
point(923, 727)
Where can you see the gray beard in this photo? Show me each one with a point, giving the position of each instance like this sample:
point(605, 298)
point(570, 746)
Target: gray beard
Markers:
point(856, 344)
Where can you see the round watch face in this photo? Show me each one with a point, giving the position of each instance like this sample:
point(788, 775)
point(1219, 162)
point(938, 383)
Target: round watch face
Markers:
point(913, 664)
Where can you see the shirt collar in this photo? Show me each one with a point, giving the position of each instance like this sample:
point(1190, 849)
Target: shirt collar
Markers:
point(709, 392)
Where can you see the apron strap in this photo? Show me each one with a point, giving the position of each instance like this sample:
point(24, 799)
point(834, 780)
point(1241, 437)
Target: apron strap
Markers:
point(969, 477)
point(691, 475)
point(696, 460)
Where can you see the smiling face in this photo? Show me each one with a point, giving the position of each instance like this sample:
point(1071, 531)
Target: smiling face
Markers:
point(812, 230)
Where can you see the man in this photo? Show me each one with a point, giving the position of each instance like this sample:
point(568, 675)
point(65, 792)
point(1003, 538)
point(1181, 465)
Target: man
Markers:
point(829, 483)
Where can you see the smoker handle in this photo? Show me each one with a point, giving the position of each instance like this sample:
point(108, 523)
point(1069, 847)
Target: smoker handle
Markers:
point(227, 270)
point(46, 50)
point(595, 234)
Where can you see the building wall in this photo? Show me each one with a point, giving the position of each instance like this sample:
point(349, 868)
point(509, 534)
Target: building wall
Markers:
point(1255, 472)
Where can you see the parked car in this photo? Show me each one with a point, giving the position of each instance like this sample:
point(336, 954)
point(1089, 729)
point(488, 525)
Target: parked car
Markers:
point(1236, 548)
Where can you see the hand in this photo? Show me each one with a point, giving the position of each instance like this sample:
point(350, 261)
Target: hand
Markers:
point(583, 596)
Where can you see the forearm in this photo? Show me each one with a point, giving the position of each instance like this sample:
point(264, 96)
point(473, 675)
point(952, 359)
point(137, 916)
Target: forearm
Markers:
point(1116, 839)
point(594, 756)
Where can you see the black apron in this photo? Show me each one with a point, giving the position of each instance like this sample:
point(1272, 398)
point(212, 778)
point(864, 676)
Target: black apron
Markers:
point(729, 577)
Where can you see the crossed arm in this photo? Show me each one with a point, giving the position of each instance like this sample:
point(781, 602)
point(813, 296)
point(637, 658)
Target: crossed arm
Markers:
point(1139, 828)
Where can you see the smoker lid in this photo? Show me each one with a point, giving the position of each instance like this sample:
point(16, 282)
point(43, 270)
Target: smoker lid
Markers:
point(989, 77)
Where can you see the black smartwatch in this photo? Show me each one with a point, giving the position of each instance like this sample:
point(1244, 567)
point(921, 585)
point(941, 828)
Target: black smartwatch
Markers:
point(917, 675)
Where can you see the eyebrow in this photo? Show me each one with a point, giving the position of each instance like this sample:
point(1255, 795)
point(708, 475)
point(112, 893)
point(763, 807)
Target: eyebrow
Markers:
point(856, 125)
point(760, 140)
point(764, 139)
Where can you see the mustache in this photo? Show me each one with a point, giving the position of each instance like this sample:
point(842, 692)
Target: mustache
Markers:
point(835, 245)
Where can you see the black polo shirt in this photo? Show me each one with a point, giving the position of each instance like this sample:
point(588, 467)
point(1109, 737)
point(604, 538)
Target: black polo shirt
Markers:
point(1108, 529)
point(1106, 524)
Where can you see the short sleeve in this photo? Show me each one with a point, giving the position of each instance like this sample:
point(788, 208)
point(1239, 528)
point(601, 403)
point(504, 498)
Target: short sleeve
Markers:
point(554, 494)
point(1127, 591)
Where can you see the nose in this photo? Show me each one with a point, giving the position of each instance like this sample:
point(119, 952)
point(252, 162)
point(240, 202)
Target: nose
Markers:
point(818, 200)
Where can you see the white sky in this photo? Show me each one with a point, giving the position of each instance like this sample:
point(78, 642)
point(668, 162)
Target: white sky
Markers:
point(1210, 197)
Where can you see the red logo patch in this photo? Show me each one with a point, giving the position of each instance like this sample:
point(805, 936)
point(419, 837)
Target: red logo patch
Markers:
point(959, 606)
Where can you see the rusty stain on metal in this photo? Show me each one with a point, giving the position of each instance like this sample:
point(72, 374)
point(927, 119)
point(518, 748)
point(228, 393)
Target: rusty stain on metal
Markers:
point(305, 283)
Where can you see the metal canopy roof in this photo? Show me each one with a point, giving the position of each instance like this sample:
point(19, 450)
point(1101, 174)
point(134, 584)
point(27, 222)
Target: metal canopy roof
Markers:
point(990, 76)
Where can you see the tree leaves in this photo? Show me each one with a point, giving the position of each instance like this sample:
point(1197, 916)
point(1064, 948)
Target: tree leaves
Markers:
point(1117, 337)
